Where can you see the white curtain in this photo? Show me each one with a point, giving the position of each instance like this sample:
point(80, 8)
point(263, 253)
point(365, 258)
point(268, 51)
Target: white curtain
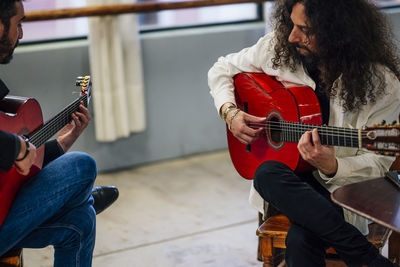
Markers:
point(116, 69)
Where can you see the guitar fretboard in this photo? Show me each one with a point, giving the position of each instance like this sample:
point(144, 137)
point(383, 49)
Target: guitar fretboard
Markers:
point(52, 126)
point(329, 135)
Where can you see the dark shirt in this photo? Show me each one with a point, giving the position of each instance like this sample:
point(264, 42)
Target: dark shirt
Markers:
point(323, 100)
point(321, 94)
point(10, 144)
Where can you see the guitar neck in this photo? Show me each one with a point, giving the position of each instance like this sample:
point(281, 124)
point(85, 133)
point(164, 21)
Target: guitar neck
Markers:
point(52, 126)
point(333, 136)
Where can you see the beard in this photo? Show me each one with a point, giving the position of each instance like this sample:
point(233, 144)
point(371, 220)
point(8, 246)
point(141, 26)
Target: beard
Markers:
point(310, 60)
point(6, 49)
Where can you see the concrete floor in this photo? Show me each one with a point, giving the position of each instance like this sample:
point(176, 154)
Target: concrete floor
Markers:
point(186, 212)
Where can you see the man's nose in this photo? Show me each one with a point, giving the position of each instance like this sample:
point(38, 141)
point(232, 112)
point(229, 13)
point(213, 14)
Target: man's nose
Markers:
point(294, 36)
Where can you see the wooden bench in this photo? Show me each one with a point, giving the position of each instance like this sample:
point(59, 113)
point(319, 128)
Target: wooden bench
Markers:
point(13, 258)
point(272, 234)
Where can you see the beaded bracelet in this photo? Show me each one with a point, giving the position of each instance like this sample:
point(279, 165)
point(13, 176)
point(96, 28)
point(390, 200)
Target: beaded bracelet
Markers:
point(231, 118)
point(27, 148)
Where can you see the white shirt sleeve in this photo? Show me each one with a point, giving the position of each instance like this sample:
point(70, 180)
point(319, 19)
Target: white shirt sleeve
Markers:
point(251, 59)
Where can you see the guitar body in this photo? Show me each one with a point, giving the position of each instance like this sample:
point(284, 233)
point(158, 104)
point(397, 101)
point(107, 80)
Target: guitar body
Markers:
point(23, 116)
point(20, 116)
point(261, 95)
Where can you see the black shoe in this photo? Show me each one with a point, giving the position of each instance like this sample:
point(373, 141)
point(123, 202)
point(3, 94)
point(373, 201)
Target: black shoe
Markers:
point(103, 197)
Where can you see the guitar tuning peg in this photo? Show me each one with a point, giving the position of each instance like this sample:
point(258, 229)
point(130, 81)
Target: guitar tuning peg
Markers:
point(78, 80)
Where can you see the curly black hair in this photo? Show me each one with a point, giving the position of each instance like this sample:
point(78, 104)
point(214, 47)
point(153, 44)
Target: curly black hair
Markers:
point(352, 39)
point(8, 9)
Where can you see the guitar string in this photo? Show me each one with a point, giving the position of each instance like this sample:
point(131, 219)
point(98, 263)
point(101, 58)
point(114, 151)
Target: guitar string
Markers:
point(39, 136)
point(320, 130)
point(299, 126)
point(331, 136)
point(62, 117)
point(51, 127)
point(292, 131)
point(45, 132)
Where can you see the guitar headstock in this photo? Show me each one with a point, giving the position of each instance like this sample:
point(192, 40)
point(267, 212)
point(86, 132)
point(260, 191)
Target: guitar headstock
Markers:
point(85, 83)
point(382, 138)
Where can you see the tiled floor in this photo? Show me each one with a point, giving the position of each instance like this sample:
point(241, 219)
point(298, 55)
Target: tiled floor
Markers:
point(186, 212)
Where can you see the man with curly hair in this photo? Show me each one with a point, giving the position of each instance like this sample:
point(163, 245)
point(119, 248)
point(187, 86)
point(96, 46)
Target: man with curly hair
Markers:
point(343, 49)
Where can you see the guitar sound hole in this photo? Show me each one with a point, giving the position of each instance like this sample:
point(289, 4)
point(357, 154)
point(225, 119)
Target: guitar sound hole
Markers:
point(275, 130)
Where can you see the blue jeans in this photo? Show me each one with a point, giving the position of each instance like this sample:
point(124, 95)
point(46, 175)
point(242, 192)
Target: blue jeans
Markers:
point(55, 208)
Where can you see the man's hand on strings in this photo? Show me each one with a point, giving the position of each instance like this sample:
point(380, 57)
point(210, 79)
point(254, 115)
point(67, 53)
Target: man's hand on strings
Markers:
point(70, 132)
point(320, 156)
point(245, 127)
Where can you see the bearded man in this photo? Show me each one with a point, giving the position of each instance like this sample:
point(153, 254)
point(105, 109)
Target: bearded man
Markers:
point(343, 50)
point(58, 205)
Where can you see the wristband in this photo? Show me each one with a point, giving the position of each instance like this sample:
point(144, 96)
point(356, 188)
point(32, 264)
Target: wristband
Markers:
point(231, 118)
point(27, 148)
point(226, 111)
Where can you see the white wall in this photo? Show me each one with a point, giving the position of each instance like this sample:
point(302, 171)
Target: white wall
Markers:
point(181, 117)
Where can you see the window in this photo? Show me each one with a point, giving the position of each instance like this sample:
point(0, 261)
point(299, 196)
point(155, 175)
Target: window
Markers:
point(387, 3)
point(78, 27)
point(197, 16)
point(57, 29)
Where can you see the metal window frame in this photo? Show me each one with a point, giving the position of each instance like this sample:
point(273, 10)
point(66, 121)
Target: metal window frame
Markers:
point(259, 18)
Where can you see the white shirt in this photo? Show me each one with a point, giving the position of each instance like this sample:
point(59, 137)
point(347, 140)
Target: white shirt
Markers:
point(354, 165)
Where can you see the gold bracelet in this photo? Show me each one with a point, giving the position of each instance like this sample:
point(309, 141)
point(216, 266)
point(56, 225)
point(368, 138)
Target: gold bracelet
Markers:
point(226, 111)
point(231, 119)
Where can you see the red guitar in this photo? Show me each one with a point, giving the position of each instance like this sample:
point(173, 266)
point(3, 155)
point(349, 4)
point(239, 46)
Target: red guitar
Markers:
point(23, 116)
point(290, 112)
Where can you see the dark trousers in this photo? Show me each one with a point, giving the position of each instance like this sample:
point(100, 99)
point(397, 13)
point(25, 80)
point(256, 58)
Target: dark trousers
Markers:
point(317, 222)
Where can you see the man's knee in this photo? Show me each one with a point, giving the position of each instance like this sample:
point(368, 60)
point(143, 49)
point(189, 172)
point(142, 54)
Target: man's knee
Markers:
point(267, 175)
point(83, 163)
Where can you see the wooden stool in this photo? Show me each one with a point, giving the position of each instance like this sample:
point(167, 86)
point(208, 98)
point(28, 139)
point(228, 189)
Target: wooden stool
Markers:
point(13, 258)
point(272, 234)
